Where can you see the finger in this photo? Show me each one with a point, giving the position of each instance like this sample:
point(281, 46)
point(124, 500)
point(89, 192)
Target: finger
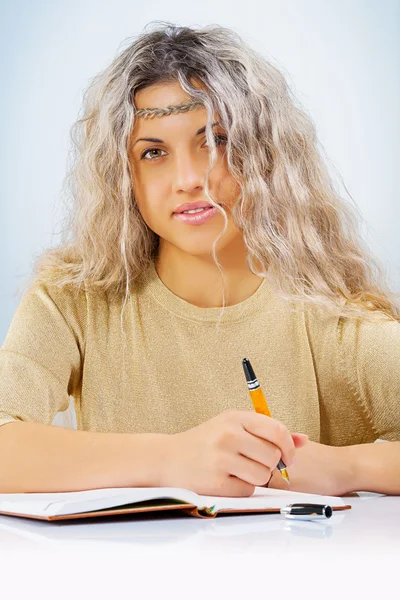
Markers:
point(248, 470)
point(237, 488)
point(278, 482)
point(259, 450)
point(271, 430)
point(299, 439)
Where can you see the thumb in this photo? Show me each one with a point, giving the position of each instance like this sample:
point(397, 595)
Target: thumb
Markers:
point(299, 439)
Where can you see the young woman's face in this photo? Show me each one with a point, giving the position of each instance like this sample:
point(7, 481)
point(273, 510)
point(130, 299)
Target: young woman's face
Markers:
point(170, 172)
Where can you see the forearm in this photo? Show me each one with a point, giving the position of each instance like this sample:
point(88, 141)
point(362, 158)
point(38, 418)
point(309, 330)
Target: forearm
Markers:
point(339, 470)
point(375, 467)
point(45, 458)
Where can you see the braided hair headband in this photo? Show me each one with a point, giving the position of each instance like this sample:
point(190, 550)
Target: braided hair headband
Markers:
point(149, 113)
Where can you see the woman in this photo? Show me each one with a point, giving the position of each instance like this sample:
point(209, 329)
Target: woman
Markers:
point(205, 230)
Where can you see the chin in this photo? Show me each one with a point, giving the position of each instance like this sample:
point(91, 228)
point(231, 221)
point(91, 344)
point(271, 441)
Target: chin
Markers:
point(199, 242)
point(204, 250)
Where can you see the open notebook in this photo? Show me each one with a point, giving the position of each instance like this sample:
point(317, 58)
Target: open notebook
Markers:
point(116, 501)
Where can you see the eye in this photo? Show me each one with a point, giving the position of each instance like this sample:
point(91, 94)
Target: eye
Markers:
point(144, 154)
point(220, 139)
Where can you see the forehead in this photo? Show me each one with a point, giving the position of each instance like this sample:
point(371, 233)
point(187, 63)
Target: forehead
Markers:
point(163, 95)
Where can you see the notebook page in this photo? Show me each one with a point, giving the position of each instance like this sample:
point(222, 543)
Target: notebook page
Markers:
point(267, 498)
point(66, 503)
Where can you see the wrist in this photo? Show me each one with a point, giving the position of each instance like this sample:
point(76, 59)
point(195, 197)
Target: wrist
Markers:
point(351, 469)
point(147, 459)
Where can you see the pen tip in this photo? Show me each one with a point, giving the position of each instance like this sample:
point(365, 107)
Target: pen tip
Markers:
point(285, 475)
point(248, 370)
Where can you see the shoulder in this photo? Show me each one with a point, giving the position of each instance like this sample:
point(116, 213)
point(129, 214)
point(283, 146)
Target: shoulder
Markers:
point(47, 310)
point(65, 300)
point(322, 326)
point(374, 344)
point(79, 308)
point(368, 332)
point(68, 299)
point(364, 344)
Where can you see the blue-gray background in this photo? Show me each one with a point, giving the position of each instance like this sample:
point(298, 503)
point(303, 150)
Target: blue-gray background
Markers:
point(341, 58)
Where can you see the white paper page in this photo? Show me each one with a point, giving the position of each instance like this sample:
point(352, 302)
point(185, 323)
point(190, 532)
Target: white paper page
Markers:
point(268, 498)
point(66, 503)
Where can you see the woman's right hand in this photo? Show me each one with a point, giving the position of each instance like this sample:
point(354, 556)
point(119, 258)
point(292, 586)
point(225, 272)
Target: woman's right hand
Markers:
point(229, 454)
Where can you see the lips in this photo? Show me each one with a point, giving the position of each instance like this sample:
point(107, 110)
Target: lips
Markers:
point(191, 206)
point(196, 217)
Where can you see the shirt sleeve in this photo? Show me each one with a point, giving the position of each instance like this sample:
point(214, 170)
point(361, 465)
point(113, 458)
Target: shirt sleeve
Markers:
point(42, 356)
point(370, 355)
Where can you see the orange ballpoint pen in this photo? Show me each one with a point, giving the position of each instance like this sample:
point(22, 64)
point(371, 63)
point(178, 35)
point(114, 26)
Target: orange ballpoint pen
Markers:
point(260, 403)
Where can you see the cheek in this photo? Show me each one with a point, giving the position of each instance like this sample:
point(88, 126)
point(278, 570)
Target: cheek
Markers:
point(144, 189)
point(146, 196)
point(150, 207)
point(148, 211)
point(229, 188)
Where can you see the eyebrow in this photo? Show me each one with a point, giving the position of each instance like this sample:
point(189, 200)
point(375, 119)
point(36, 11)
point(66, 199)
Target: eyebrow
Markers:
point(158, 141)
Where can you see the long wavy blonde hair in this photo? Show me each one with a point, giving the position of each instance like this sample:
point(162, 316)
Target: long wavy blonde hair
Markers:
point(295, 224)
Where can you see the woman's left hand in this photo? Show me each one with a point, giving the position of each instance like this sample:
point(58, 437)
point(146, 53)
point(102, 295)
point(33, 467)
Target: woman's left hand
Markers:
point(318, 469)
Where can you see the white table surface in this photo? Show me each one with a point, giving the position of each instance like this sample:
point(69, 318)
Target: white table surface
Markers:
point(356, 554)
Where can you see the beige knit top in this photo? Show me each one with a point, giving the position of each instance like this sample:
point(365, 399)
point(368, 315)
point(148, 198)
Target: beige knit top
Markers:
point(167, 365)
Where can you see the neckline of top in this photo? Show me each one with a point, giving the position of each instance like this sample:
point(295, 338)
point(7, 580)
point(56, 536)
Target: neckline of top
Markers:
point(180, 307)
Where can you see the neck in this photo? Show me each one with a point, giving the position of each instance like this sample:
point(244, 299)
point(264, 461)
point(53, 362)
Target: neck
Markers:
point(197, 279)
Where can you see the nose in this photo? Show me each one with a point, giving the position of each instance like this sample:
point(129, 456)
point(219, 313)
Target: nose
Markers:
point(189, 173)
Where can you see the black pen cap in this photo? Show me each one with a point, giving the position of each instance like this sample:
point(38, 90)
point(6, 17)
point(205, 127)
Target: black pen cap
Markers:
point(248, 370)
point(314, 511)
